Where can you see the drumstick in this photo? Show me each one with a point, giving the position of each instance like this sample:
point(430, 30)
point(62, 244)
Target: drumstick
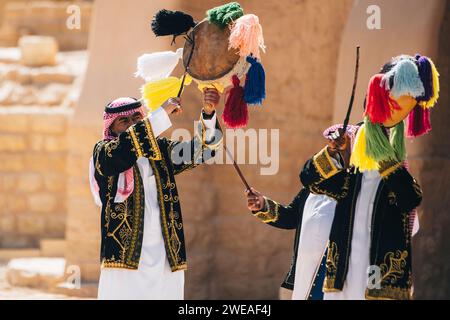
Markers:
point(352, 97)
point(187, 63)
point(236, 166)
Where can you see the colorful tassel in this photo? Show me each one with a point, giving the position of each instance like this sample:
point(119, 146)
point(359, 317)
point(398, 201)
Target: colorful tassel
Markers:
point(158, 65)
point(378, 101)
point(418, 122)
point(372, 146)
point(377, 144)
point(436, 88)
point(235, 113)
point(255, 82)
point(397, 140)
point(167, 22)
point(225, 14)
point(426, 76)
point(247, 36)
point(359, 157)
point(155, 93)
point(406, 79)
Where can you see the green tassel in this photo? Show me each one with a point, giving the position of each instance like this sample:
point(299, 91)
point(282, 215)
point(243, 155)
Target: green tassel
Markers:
point(398, 141)
point(377, 144)
point(225, 14)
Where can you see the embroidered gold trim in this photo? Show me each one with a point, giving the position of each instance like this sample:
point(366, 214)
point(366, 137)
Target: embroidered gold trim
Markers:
point(110, 146)
point(152, 139)
point(272, 211)
point(137, 212)
point(387, 171)
point(417, 188)
point(136, 143)
point(315, 189)
point(393, 267)
point(388, 293)
point(165, 229)
point(328, 285)
point(120, 265)
point(202, 138)
point(182, 266)
point(331, 265)
point(108, 202)
point(96, 162)
point(322, 161)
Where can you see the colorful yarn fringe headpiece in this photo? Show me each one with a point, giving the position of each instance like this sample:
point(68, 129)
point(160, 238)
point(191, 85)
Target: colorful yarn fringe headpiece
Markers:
point(406, 87)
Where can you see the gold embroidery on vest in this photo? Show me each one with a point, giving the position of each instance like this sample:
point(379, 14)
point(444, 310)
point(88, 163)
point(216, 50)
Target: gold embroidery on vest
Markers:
point(322, 161)
point(136, 143)
point(331, 265)
point(393, 267)
point(151, 138)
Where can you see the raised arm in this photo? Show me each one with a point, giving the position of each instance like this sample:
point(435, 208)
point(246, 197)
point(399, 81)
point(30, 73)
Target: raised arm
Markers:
point(275, 214)
point(117, 155)
point(207, 137)
point(112, 157)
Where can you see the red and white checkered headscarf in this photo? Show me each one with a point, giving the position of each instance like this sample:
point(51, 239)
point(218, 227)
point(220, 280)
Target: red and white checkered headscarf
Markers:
point(351, 131)
point(119, 107)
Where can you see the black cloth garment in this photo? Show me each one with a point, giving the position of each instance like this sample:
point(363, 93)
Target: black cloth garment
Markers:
point(397, 194)
point(286, 217)
point(122, 223)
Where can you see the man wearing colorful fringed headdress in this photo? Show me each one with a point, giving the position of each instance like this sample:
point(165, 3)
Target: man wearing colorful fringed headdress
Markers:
point(369, 247)
point(132, 179)
point(311, 215)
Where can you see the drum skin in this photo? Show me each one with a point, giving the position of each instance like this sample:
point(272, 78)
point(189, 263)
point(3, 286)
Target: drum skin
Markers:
point(211, 59)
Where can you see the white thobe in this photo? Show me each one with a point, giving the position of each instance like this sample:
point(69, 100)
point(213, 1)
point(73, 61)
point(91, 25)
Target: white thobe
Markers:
point(154, 278)
point(356, 281)
point(318, 215)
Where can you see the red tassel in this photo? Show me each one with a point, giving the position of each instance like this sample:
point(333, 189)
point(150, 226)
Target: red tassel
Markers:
point(418, 122)
point(378, 102)
point(235, 113)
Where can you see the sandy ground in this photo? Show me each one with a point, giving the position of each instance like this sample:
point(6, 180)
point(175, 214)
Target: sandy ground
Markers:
point(20, 293)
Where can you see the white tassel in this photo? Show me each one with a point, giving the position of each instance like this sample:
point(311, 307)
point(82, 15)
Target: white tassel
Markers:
point(158, 65)
point(406, 80)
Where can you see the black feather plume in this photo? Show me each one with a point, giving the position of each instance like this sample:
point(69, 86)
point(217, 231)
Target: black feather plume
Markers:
point(167, 22)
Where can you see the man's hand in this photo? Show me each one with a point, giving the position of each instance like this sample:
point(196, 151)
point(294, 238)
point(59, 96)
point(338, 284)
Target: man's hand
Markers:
point(211, 98)
point(340, 143)
point(172, 106)
point(255, 200)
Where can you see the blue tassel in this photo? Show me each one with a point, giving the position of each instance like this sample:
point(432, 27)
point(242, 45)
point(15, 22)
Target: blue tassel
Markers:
point(255, 83)
point(426, 77)
point(406, 80)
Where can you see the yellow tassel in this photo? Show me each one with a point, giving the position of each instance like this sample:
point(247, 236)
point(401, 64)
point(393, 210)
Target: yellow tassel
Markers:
point(359, 158)
point(217, 85)
point(155, 93)
point(435, 74)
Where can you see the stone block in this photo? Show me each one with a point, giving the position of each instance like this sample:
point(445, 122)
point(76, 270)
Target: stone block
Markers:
point(12, 143)
point(29, 182)
point(38, 51)
point(42, 202)
point(30, 224)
